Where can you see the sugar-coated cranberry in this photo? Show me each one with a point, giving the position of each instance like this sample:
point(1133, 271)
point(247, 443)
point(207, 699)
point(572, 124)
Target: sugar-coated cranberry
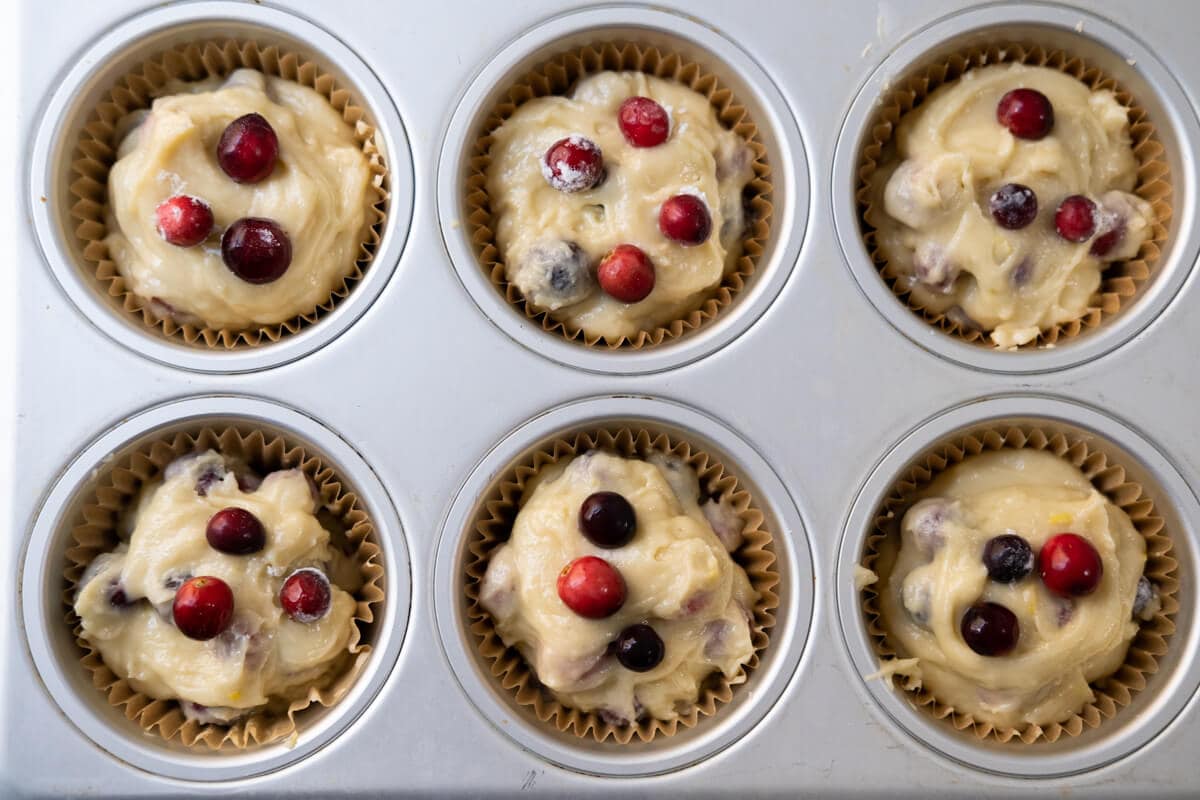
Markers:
point(573, 164)
point(643, 122)
point(183, 220)
point(1071, 567)
point(1008, 558)
point(256, 250)
point(1075, 219)
point(640, 648)
point(248, 149)
point(626, 274)
point(607, 520)
point(1013, 206)
point(306, 595)
point(684, 219)
point(990, 629)
point(1027, 113)
point(203, 607)
point(591, 587)
point(235, 531)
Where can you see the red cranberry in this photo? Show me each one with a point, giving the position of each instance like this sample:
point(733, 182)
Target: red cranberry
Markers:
point(1008, 558)
point(640, 648)
point(306, 595)
point(235, 531)
point(591, 587)
point(1075, 219)
point(1106, 242)
point(626, 274)
point(990, 629)
point(248, 149)
point(256, 250)
point(203, 607)
point(1071, 567)
point(574, 164)
point(684, 219)
point(1026, 113)
point(643, 122)
point(607, 520)
point(1013, 206)
point(183, 220)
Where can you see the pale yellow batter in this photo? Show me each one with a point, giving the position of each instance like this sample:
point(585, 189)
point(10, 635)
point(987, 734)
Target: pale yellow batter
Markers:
point(318, 194)
point(263, 655)
point(938, 573)
point(534, 222)
point(930, 201)
point(679, 577)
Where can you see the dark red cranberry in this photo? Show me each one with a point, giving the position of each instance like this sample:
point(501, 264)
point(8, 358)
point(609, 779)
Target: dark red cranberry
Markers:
point(684, 219)
point(643, 122)
point(117, 597)
point(207, 478)
point(607, 520)
point(1107, 241)
point(640, 648)
point(591, 587)
point(990, 629)
point(1008, 558)
point(235, 531)
point(248, 149)
point(1075, 219)
point(256, 250)
point(626, 274)
point(1026, 113)
point(183, 220)
point(1071, 567)
point(1013, 206)
point(574, 164)
point(306, 595)
point(203, 607)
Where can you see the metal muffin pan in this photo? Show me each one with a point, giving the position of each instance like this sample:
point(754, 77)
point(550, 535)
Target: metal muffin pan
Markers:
point(811, 382)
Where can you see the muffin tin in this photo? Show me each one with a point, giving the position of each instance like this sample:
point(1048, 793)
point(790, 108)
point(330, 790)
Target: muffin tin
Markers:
point(816, 387)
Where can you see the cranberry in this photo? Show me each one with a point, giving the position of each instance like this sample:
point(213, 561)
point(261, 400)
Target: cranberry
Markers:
point(639, 648)
point(183, 220)
point(248, 149)
point(1071, 567)
point(1013, 206)
point(203, 607)
point(306, 595)
point(990, 629)
point(591, 587)
point(117, 597)
point(684, 219)
point(626, 274)
point(1075, 219)
point(256, 250)
point(1106, 242)
point(607, 520)
point(643, 122)
point(1026, 113)
point(1008, 558)
point(235, 531)
point(574, 164)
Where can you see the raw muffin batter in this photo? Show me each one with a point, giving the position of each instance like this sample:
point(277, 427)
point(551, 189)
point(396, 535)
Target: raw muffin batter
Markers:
point(317, 193)
point(545, 235)
point(125, 598)
point(678, 572)
point(933, 209)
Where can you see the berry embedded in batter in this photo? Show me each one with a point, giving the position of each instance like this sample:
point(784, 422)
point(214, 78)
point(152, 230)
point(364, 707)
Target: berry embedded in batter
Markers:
point(1075, 219)
point(1071, 567)
point(626, 274)
point(1013, 206)
point(685, 220)
point(305, 596)
point(640, 648)
point(607, 520)
point(256, 250)
point(248, 149)
point(990, 629)
point(573, 164)
point(1027, 113)
point(235, 531)
point(203, 607)
point(643, 122)
point(591, 587)
point(1008, 558)
point(183, 220)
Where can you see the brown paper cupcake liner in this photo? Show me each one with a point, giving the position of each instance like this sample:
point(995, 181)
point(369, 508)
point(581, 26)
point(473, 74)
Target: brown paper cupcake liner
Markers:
point(95, 533)
point(494, 524)
point(557, 76)
point(1111, 693)
point(1120, 281)
point(96, 151)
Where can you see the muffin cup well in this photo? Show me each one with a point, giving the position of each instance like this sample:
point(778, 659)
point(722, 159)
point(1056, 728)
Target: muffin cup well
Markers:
point(1111, 479)
point(557, 76)
point(494, 523)
point(94, 154)
point(1121, 281)
point(95, 533)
